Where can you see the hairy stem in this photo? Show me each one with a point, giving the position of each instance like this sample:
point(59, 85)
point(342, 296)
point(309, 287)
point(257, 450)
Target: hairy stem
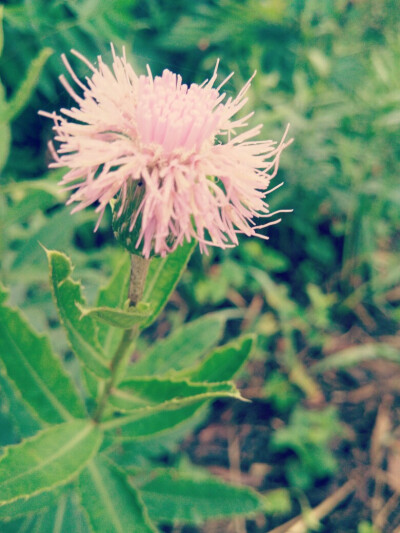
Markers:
point(139, 268)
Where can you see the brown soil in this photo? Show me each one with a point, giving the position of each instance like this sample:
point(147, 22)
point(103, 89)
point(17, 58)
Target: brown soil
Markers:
point(233, 444)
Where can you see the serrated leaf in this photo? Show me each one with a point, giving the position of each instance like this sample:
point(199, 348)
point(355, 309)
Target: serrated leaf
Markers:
point(118, 318)
point(172, 497)
point(182, 348)
point(65, 515)
point(51, 458)
point(24, 92)
point(162, 278)
point(110, 502)
point(24, 506)
point(137, 393)
point(223, 362)
point(114, 294)
point(142, 452)
point(35, 370)
point(151, 420)
point(17, 420)
point(81, 333)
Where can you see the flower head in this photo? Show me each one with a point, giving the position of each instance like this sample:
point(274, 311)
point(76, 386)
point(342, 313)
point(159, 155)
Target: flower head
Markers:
point(169, 152)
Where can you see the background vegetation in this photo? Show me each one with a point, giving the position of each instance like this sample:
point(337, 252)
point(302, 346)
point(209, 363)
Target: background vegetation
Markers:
point(322, 294)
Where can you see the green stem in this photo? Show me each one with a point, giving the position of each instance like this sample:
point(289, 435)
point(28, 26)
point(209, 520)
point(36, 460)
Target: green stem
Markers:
point(139, 268)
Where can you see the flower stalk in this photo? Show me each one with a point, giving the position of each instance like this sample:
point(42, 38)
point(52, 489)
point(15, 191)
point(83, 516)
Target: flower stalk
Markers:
point(139, 268)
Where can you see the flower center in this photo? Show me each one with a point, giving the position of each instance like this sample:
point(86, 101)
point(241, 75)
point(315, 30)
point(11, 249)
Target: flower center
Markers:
point(175, 116)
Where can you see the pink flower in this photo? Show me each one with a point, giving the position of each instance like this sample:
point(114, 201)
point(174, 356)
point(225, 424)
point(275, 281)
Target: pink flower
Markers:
point(201, 179)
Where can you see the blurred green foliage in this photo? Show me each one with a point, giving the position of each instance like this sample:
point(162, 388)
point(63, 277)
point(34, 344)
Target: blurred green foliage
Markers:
point(308, 436)
point(329, 67)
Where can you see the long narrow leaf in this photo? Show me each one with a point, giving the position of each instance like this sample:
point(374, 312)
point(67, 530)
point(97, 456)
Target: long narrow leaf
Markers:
point(175, 498)
point(51, 458)
point(182, 348)
point(81, 331)
point(146, 421)
point(137, 393)
point(24, 506)
point(357, 354)
point(110, 502)
point(24, 92)
point(34, 369)
point(5, 130)
point(64, 515)
point(17, 420)
point(1, 29)
point(163, 276)
point(118, 318)
point(223, 362)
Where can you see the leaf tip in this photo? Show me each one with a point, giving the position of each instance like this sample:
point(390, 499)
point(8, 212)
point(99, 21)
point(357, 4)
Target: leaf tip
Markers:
point(46, 251)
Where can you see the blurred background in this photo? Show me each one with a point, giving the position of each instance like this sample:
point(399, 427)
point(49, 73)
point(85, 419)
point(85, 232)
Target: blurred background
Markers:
point(321, 437)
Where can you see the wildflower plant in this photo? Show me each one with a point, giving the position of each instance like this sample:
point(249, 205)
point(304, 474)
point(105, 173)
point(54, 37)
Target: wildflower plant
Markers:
point(178, 167)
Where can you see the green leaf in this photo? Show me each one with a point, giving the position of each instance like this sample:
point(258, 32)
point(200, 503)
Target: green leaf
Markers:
point(20, 525)
point(151, 420)
point(1, 29)
point(114, 294)
point(110, 502)
point(70, 516)
point(34, 369)
point(136, 453)
point(24, 506)
point(355, 355)
point(48, 185)
point(182, 348)
point(156, 419)
point(24, 92)
point(16, 421)
point(48, 235)
point(162, 278)
point(5, 136)
point(276, 295)
point(118, 318)
point(82, 333)
point(223, 363)
point(63, 514)
point(141, 392)
point(176, 498)
point(51, 458)
point(5, 130)
point(34, 199)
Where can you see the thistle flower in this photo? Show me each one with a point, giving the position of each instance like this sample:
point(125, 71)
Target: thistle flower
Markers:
point(170, 153)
